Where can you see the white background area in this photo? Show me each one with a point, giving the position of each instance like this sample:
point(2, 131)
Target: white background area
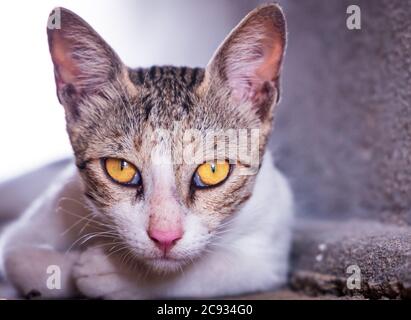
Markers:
point(32, 127)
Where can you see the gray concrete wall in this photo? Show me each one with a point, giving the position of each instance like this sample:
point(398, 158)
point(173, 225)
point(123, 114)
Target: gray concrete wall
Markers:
point(343, 132)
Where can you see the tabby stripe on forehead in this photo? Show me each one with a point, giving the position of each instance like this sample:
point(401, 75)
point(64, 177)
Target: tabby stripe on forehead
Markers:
point(137, 76)
point(194, 75)
point(152, 72)
point(141, 76)
point(147, 105)
point(183, 72)
point(155, 73)
point(186, 107)
point(172, 71)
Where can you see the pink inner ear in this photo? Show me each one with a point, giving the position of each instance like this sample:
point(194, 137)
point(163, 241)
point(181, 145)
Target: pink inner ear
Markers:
point(268, 69)
point(254, 62)
point(67, 71)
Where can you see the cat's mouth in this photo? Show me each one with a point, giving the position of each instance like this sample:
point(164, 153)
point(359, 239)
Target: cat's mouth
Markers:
point(166, 263)
point(166, 258)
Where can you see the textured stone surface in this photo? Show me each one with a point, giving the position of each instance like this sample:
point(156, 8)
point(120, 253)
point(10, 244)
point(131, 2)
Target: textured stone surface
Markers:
point(323, 250)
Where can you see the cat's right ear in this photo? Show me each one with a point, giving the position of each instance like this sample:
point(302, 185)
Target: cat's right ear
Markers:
point(83, 61)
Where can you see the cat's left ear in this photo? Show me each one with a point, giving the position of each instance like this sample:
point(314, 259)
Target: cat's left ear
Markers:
point(249, 59)
point(83, 61)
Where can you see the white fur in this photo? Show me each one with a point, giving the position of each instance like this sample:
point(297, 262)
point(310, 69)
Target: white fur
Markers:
point(252, 254)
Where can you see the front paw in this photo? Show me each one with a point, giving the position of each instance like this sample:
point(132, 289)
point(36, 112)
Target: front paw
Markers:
point(98, 275)
point(41, 273)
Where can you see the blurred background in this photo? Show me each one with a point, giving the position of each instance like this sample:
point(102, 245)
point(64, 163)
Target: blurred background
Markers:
point(342, 134)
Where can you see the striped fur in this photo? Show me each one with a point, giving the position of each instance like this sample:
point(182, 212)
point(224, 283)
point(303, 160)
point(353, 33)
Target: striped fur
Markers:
point(235, 235)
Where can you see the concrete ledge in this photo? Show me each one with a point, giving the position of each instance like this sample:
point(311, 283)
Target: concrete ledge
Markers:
point(323, 250)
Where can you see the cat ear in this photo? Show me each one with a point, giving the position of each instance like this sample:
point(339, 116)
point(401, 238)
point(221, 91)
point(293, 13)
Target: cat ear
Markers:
point(249, 59)
point(82, 60)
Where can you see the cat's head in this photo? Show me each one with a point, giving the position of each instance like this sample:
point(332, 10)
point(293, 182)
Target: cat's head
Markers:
point(151, 144)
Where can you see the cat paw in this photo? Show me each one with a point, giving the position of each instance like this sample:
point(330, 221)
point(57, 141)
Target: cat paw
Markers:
point(99, 276)
point(28, 269)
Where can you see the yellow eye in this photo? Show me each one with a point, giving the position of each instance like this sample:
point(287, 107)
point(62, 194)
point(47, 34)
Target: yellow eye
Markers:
point(211, 173)
point(122, 171)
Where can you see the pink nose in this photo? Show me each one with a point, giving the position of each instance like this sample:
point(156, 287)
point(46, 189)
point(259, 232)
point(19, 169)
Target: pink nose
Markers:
point(165, 240)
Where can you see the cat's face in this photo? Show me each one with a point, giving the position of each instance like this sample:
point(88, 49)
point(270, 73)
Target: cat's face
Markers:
point(152, 144)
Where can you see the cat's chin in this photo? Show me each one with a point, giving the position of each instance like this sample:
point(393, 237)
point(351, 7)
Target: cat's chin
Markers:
point(165, 265)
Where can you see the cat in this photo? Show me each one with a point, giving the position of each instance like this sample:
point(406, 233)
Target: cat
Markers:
point(129, 221)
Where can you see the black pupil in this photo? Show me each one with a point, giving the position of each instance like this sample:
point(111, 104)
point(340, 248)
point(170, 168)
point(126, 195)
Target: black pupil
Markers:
point(213, 167)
